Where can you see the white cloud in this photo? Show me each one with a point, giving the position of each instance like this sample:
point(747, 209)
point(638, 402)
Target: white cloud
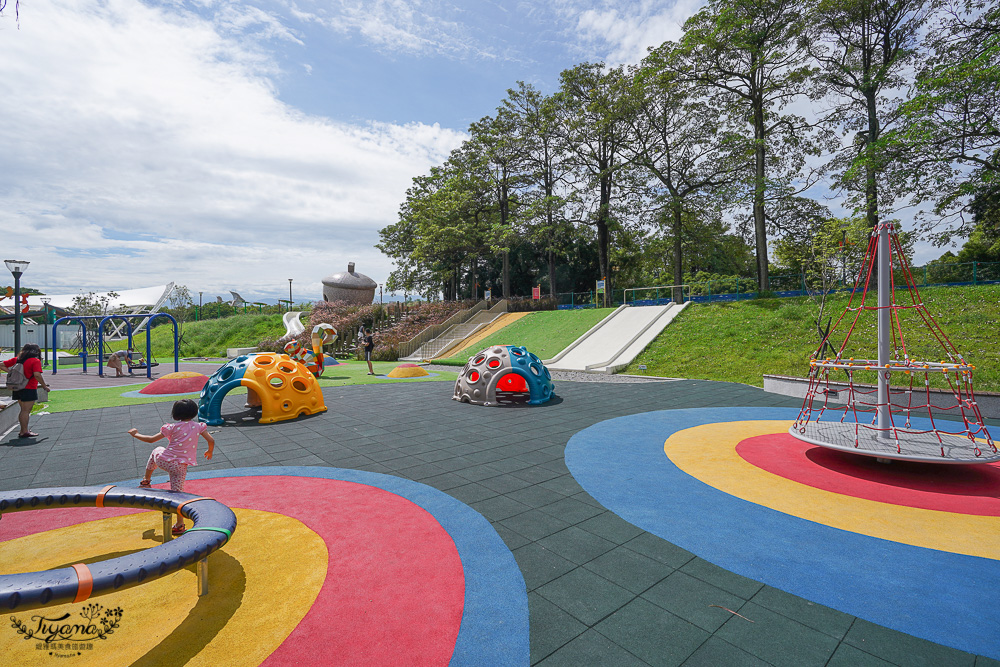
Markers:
point(122, 121)
point(622, 32)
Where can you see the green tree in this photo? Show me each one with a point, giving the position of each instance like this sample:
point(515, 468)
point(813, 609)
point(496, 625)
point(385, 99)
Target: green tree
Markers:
point(951, 124)
point(675, 137)
point(753, 56)
point(595, 130)
point(540, 126)
point(865, 49)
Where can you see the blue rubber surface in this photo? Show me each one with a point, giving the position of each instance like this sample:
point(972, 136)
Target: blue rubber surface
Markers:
point(943, 597)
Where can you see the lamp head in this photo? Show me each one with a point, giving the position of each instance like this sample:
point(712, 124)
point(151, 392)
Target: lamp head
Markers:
point(16, 266)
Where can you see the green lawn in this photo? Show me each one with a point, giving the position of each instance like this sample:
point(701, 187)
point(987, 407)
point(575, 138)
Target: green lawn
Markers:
point(334, 376)
point(545, 333)
point(740, 342)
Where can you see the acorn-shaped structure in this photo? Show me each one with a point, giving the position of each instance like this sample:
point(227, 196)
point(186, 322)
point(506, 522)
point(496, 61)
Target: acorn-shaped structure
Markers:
point(504, 374)
point(349, 286)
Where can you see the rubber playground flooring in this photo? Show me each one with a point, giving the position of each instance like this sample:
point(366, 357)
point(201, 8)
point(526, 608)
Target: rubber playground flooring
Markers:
point(531, 501)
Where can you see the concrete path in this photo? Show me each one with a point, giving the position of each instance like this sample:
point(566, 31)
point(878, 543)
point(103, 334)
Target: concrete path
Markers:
point(616, 340)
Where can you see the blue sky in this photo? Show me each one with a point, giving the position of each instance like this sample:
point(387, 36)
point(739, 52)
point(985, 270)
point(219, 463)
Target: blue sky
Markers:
point(233, 145)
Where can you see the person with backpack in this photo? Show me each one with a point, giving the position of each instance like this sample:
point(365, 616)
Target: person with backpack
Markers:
point(24, 374)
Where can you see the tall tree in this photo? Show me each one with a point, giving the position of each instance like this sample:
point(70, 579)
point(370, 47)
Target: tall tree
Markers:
point(675, 136)
point(951, 125)
point(753, 54)
point(539, 125)
point(495, 154)
point(594, 132)
point(865, 50)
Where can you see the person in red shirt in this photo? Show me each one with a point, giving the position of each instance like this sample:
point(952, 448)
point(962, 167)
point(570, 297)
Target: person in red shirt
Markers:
point(31, 359)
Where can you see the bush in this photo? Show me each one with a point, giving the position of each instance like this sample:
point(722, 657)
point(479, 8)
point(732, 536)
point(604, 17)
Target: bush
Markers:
point(522, 304)
point(391, 324)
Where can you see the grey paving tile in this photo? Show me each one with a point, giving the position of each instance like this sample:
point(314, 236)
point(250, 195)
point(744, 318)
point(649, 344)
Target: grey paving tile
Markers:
point(724, 579)
point(577, 545)
point(776, 639)
point(591, 648)
point(539, 565)
point(659, 550)
point(586, 596)
point(629, 569)
point(535, 524)
point(816, 616)
point(695, 601)
point(717, 653)
point(654, 635)
point(550, 627)
point(902, 649)
point(610, 526)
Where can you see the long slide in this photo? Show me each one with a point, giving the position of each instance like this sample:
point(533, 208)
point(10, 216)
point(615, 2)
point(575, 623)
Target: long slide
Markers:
point(616, 340)
point(293, 325)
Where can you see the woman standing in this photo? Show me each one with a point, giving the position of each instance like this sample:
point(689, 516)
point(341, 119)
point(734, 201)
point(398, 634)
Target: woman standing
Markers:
point(30, 360)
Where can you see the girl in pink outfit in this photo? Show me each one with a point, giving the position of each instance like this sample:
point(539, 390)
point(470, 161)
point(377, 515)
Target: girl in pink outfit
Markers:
point(181, 450)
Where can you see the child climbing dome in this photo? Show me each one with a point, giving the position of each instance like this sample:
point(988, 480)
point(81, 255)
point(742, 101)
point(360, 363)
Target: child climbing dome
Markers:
point(284, 387)
point(504, 374)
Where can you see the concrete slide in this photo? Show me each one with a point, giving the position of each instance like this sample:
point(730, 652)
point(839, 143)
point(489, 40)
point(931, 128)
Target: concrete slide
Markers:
point(616, 340)
point(293, 326)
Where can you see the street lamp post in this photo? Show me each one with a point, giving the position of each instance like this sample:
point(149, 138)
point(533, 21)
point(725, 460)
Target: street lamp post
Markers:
point(17, 267)
point(289, 294)
point(380, 295)
point(45, 327)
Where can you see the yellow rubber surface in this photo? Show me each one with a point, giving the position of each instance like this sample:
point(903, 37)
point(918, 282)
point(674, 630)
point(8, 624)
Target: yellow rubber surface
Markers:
point(261, 584)
point(708, 453)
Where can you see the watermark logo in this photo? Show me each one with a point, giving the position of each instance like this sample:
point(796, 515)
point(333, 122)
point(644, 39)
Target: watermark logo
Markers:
point(65, 636)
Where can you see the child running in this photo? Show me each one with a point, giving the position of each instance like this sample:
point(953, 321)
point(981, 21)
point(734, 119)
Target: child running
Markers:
point(181, 450)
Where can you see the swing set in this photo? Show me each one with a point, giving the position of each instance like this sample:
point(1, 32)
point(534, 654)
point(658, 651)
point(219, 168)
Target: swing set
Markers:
point(148, 361)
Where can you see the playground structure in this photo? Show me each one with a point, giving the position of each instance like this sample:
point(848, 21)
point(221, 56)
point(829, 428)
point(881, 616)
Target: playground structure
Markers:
point(182, 382)
point(283, 387)
point(504, 374)
point(103, 320)
point(214, 524)
point(313, 359)
point(876, 421)
point(407, 371)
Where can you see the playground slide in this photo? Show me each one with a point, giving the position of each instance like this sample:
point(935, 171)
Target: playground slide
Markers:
point(293, 327)
point(616, 340)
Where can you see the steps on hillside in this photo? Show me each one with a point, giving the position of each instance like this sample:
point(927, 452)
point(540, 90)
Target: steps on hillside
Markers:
point(455, 334)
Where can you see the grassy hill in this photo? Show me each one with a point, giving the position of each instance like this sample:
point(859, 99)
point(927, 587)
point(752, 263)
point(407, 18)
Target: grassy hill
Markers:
point(210, 338)
point(544, 333)
point(739, 342)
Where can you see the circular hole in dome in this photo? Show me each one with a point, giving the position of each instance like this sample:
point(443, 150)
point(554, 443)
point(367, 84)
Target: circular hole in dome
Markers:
point(516, 350)
point(276, 382)
point(226, 373)
point(474, 376)
point(478, 360)
point(534, 369)
point(285, 368)
point(547, 373)
point(263, 361)
point(493, 363)
point(299, 385)
point(286, 406)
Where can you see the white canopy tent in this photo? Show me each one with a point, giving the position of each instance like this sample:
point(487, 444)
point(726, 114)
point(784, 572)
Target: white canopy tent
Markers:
point(149, 299)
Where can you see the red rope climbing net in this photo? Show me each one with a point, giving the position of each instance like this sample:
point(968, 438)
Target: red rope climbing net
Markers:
point(843, 414)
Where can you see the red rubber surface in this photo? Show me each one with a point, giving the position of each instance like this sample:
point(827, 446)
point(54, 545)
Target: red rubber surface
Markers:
point(188, 385)
point(394, 590)
point(971, 489)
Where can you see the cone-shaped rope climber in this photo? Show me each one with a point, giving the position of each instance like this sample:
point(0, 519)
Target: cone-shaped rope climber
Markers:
point(894, 400)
